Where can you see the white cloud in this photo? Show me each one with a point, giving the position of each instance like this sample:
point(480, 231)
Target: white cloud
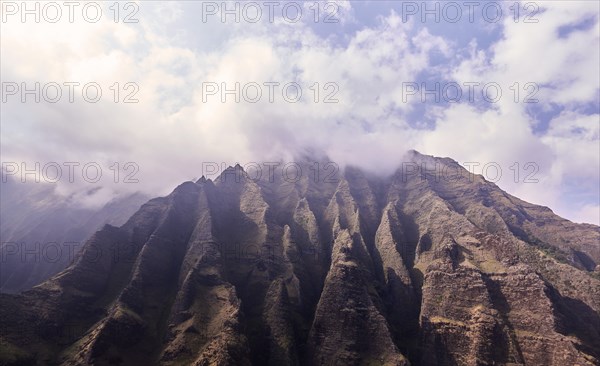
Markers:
point(565, 69)
point(171, 131)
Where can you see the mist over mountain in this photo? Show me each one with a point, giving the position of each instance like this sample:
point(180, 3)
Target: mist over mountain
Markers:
point(326, 268)
point(376, 60)
point(223, 183)
point(41, 231)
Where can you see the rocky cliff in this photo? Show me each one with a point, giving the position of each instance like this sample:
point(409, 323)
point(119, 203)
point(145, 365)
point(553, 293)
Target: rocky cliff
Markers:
point(341, 268)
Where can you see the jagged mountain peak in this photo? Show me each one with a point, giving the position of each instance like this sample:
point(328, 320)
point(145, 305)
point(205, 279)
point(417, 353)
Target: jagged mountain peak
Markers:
point(359, 269)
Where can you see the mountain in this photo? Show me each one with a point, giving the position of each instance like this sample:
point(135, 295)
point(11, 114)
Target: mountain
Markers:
point(41, 231)
point(334, 268)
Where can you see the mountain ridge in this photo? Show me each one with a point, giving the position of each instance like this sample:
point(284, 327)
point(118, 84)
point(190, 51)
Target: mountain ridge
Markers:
point(42, 230)
point(362, 270)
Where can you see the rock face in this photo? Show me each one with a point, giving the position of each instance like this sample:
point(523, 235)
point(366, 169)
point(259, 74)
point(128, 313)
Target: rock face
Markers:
point(321, 269)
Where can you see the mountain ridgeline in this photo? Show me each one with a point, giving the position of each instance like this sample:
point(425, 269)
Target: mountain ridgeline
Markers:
point(41, 231)
point(350, 270)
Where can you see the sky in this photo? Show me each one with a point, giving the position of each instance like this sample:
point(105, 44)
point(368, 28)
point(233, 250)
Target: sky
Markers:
point(142, 95)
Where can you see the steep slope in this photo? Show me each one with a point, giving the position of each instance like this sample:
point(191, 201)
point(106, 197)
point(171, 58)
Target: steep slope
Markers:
point(349, 270)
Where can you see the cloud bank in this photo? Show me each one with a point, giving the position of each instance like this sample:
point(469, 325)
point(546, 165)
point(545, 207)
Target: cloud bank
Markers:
point(364, 65)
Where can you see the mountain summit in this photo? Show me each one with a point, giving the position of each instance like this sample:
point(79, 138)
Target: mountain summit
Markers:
point(326, 268)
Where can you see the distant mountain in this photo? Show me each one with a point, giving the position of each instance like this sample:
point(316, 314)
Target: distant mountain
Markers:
point(42, 231)
point(339, 269)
